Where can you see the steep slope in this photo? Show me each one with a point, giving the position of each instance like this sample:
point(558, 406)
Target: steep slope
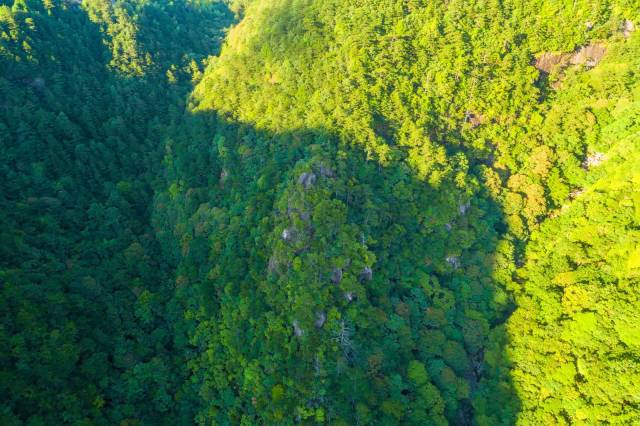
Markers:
point(88, 334)
point(373, 172)
point(370, 212)
point(574, 335)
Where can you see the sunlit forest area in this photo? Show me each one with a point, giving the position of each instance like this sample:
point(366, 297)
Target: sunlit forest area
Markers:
point(319, 212)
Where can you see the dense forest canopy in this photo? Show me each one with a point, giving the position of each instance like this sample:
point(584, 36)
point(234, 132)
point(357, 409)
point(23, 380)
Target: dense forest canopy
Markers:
point(337, 212)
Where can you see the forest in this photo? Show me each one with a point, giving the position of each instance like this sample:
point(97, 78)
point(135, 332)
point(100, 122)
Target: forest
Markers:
point(319, 212)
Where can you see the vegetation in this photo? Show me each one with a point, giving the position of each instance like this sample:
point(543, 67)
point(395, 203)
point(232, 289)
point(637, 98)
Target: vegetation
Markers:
point(89, 334)
point(376, 212)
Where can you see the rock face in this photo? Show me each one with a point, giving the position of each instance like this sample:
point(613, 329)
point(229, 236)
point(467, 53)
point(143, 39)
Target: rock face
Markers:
point(273, 264)
point(453, 261)
point(305, 216)
point(593, 160)
point(627, 28)
point(326, 172)
point(288, 234)
point(464, 207)
point(548, 61)
point(336, 275)
point(366, 274)
point(297, 331)
point(321, 317)
point(307, 180)
point(589, 56)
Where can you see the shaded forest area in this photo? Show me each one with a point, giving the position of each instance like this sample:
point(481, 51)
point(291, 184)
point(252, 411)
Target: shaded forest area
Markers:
point(375, 213)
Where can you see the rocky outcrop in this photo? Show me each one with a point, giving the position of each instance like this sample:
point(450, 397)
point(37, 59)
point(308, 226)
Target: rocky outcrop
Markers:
point(336, 275)
point(588, 56)
point(464, 207)
point(326, 172)
point(454, 261)
point(321, 318)
point(366, 274)
point(548, 61)
point(289, 234)
point(593, 160)
point(627, 28)
point(307, 180)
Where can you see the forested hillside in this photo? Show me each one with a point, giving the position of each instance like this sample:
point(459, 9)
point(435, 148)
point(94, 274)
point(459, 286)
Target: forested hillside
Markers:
point(355, 213)
point(89, 334)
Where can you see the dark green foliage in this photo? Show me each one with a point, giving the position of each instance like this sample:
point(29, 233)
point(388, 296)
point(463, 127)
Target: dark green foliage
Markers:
point(88, 334)
point(381, 212)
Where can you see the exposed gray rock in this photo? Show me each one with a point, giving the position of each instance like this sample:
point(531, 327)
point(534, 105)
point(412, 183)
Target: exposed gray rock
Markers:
point(273, 264)
point(288, 234)
point(336, 275)
point(297, 330)
point(593, 160)
point(547, 61)
point(448, 226)
point(306, 216)
point(307, 180)
point(321, 317)
point(463, 208)
point(627, 28)
point(589, 55)
point(326, 171)
point(366, 274)
point(350, 296)
point(453, 261)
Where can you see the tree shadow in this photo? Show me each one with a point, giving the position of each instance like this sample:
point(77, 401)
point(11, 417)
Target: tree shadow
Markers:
point(409, 333)
point(323, 286)
point(88, 333)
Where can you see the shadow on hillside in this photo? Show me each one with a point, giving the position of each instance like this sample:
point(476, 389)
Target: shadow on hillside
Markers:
point(432, 298)
point(81, 155)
